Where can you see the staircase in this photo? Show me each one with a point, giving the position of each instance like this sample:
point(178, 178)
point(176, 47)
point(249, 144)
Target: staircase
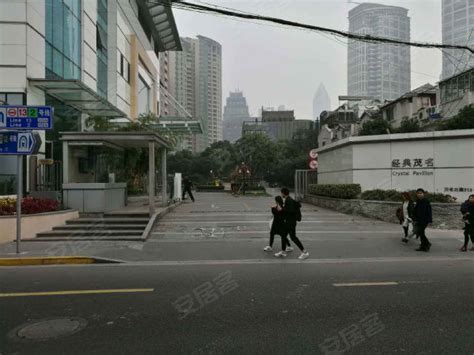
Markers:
point(110, 226)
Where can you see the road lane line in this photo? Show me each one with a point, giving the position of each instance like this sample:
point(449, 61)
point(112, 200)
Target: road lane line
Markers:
point(191, 232)
point(76, 292)
point(362, 284)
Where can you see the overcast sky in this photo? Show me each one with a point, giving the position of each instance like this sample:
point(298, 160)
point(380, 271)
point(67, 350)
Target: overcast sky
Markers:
point(279, 66)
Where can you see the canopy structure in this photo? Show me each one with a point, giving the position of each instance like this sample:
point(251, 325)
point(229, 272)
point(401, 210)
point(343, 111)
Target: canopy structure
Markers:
point(116, 140)
point(180, 125)
point(159, 16)
point(78, 95)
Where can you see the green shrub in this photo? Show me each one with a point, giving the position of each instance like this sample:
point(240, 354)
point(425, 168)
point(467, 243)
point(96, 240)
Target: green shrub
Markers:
point(396, 196)
point(346, 191)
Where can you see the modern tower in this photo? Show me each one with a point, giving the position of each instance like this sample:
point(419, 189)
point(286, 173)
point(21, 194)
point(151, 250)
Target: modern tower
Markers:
point(236, 112)
point(380, 71)
point(457, 29)
point(321, 101)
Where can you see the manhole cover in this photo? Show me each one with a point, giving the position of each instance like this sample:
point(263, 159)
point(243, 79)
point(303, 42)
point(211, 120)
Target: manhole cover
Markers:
point(48, 328)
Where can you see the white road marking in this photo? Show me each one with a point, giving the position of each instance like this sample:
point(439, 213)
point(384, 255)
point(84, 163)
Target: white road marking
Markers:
point(362, 284)
point(191, 232)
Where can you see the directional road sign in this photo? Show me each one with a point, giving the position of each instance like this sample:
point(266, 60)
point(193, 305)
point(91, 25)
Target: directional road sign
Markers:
point(26, 117)
point(19, 143)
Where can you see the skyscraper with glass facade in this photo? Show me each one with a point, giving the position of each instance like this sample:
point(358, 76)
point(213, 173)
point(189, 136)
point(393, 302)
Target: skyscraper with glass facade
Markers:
point(380, 71)
point(86, 58)
point(236, 112)
point(458, 29)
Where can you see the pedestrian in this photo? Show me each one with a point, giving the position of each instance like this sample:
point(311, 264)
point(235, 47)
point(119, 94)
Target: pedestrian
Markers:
point(467, 210)
point(278, 227)
point(422, 216)
point(187, 185)
point(406, 217)
point(292, 214)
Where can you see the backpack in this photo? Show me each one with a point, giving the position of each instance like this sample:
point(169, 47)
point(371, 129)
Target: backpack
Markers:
point(298, 211)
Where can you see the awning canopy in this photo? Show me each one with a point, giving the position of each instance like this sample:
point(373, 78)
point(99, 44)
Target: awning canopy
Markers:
point(78, 95)
point(179, 125)
point(159, 16)
point(118, 139)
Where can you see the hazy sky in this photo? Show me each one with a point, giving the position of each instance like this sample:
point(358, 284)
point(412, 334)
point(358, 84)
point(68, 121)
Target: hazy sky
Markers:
point(280, 66)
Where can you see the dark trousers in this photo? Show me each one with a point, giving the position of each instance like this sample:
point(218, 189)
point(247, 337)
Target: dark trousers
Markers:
point(420, 232)
point(188, 190)
point(292, 232)
point(468, 232)
point(284, 240)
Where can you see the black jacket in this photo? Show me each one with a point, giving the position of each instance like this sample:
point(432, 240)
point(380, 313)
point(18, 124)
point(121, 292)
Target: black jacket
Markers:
point(422, 212)
point(187, 184)
point(278, 225)
point(468, 207)
point(290, 211)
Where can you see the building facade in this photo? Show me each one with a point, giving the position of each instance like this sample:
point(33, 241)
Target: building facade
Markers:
point(195, 85)
point(85, 58)
point(457, 29)
point(321, 101)
point(236, 112)
point(416, 104)
point(377, 70)
point(277, 125)
point(455, 93)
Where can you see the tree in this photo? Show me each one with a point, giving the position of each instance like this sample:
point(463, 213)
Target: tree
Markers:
point(409, 126)
point(463, 120)
point(258, 152)
point(375, 127)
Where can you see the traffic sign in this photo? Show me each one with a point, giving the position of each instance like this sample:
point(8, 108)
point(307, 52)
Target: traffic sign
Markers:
point(313, 154)
point(19, 143)
point(26, 117)
point(313, 164)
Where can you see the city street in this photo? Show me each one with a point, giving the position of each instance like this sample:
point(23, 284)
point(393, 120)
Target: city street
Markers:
point(203, 285)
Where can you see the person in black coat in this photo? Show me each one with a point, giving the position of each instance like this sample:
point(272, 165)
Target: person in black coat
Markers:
point(278, 227)
point(290, 211)
point(467, 210)
point(187, 185)
point(422, 216)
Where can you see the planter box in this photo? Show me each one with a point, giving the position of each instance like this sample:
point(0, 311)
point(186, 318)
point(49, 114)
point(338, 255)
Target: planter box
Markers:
point(33, 223)
point(445, 215)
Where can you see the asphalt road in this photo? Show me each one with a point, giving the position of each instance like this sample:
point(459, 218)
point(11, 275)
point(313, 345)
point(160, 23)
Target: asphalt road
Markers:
point(203, 285)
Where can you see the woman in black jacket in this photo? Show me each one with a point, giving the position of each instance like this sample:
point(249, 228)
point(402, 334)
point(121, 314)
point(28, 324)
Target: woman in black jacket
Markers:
point(278, 227)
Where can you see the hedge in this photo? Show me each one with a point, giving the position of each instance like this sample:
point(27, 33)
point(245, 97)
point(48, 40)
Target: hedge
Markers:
point(393, 195)
point(345, 191)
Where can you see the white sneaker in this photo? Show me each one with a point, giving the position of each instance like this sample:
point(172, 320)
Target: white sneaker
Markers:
point(268, 248)
point(281, 254)
point(289, 249)
point(303, 256)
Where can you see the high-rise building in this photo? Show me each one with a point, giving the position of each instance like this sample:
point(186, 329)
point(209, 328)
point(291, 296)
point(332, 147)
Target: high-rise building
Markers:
point(195, 84)
point(379, 71)
point(457, 29)
point(236, 112)
point(321, 101)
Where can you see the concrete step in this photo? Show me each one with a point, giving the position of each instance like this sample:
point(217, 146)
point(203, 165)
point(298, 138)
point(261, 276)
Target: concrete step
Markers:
point(127, 215)
point(86, 233)
point(135, 221)
point(85, 238)
point(100, 227)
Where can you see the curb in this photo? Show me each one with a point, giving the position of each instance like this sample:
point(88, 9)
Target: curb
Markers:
point(54, 260)
point(155, 218)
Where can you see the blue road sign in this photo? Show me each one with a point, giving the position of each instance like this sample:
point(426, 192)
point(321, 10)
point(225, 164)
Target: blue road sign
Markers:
point(26, 117)
point(19, 143)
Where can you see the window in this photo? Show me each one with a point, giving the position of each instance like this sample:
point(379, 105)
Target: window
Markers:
point(63, 39)
point(143, 96)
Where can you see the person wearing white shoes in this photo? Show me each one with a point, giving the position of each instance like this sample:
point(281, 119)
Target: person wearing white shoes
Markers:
point(278, 227)
point(292, 214)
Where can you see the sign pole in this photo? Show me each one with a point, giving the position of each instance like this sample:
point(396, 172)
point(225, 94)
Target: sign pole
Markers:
point(19, 197)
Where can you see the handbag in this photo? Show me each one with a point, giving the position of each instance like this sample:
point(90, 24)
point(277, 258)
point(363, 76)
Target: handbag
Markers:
point(270, 223)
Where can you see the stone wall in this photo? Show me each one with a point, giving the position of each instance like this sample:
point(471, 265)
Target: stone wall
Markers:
point(445, 215)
